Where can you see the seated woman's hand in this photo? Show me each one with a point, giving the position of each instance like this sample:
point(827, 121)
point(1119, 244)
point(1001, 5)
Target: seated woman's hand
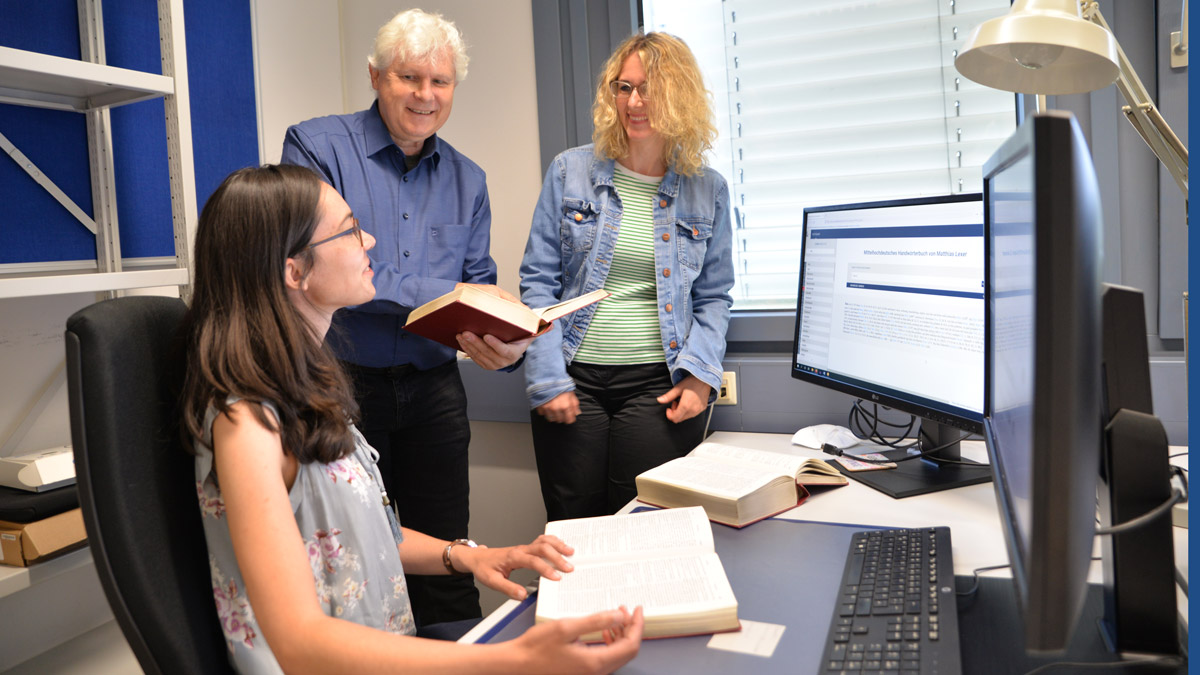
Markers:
point(554, 646)
point(491, 566)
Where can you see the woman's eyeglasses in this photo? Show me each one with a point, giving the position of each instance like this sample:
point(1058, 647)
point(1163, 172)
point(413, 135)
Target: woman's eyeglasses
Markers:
point(354, 229)
point(622, 90)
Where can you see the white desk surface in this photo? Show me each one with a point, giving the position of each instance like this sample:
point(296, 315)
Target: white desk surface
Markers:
point(970, 513)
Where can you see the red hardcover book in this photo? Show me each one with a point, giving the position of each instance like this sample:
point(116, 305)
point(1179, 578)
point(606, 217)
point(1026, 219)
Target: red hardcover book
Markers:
point(470, 309)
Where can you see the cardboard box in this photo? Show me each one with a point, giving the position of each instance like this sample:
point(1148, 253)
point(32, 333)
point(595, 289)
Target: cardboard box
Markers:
point(22, 544)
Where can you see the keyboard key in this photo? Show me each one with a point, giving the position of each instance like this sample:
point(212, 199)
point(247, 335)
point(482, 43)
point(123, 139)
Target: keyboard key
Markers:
point(887, 619)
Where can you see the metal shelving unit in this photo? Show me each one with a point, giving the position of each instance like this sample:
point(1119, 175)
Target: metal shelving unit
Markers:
point(90, 87)
point(57, 600)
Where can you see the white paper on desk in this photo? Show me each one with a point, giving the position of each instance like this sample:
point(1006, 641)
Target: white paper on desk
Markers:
point(755, 638)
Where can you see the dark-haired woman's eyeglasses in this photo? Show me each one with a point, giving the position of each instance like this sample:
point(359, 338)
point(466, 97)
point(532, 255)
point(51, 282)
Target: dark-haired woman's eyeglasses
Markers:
point(354, 229)
point(622, 90)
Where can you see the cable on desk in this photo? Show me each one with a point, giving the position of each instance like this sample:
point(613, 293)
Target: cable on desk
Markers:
point(975, 584)
point(1144, 519)
point(708, 419)
point(1159, 661)
point(831, 449)
point(859, 416)
point(1177, 495)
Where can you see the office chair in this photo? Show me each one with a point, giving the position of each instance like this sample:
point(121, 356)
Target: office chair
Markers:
point(137, 485)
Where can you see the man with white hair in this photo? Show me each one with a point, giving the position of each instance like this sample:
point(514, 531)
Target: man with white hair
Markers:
point(427, 206)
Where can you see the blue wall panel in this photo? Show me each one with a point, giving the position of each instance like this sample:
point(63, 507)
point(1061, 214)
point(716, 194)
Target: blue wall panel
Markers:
point(33, 227)
point(221, 76)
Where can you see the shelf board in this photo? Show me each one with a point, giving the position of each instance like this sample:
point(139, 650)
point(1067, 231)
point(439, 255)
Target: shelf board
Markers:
point(85, 282)
point(15, 579)
point(44, 81)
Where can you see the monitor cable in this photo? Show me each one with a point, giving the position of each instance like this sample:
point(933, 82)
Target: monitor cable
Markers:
point(860, 416)
point(831, 449)
point(1178, 494)
point(708, 419)
point(864, 425)
point(975, 581)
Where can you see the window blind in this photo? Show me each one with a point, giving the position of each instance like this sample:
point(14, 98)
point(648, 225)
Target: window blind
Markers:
point(833, 101)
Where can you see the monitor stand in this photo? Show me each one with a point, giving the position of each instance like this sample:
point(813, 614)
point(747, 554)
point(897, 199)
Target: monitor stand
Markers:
point(991, 634)
point(921, 476)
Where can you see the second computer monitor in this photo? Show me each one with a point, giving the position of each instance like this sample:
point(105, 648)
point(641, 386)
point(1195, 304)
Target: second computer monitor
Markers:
point(890, 310)
point(1043, 400)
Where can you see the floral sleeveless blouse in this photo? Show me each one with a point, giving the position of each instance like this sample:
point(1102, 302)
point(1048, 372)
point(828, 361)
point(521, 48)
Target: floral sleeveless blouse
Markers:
point(351, 541)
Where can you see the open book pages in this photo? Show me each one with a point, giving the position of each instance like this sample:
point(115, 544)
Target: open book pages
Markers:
point(560, 309)
point(806, 470)
point(663, 561)
point(820, 472)
point(736, 486)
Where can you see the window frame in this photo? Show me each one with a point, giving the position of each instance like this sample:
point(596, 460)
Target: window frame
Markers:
point(573, 39)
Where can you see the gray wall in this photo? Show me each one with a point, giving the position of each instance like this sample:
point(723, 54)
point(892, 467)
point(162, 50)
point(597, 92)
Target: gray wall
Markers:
point(770, 401)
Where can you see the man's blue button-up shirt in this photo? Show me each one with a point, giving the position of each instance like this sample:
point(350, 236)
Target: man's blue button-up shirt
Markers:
point(431, 226)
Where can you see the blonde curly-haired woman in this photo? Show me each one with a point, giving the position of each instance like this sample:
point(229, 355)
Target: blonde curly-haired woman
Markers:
point(618, 387)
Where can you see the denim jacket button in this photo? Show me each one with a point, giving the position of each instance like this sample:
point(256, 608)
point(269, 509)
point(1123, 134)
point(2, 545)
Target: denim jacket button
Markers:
point(578, 217)
point(674, 344)
point(666, 237)
point(695, 232)
point(662, 203)
point(668, 307)
point(666, 272)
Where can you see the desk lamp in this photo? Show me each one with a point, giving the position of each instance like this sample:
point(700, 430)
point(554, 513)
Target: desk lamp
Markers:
point(1051, 47)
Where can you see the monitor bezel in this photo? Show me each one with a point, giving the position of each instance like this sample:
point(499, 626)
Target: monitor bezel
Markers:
point(927, 409)
point(1050, 575)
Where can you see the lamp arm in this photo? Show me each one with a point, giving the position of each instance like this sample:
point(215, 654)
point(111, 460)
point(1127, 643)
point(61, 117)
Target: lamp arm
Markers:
point(1141, 111)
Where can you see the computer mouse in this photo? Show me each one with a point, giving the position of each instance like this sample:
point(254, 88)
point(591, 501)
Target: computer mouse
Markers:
point(819, 434)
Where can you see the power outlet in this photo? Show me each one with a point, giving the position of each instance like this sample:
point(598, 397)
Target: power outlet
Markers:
point(728, 393)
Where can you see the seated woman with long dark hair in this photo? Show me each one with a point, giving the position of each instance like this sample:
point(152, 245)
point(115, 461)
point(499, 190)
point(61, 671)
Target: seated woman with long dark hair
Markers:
point(307, 558)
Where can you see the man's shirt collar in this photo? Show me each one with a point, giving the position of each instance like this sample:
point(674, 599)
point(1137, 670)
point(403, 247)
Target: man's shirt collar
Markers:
point(378, 139)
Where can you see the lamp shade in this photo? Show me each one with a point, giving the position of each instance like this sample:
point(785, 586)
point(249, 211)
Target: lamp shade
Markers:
point(1040, 47)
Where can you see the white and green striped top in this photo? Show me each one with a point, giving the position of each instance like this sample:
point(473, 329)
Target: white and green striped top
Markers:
point(624, 330)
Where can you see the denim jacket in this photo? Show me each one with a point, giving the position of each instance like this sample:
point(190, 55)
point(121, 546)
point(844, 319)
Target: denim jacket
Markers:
point(569, 253)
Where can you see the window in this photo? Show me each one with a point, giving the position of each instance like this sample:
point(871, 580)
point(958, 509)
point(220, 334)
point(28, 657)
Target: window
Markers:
point(833, 101)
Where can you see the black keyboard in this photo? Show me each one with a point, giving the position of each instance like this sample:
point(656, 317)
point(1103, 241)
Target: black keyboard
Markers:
point(896, 610)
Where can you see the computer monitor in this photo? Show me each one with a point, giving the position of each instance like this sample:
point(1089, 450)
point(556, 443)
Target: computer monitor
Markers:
point(890, 310)
point(1043, 400)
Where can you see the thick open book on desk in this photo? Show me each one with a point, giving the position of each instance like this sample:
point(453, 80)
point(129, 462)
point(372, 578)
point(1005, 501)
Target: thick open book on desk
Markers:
point(736, 486)
point(664, 561)
point(469, 309)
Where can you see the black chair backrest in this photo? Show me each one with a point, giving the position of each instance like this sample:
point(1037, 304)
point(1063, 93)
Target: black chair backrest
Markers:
point(137, 485)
